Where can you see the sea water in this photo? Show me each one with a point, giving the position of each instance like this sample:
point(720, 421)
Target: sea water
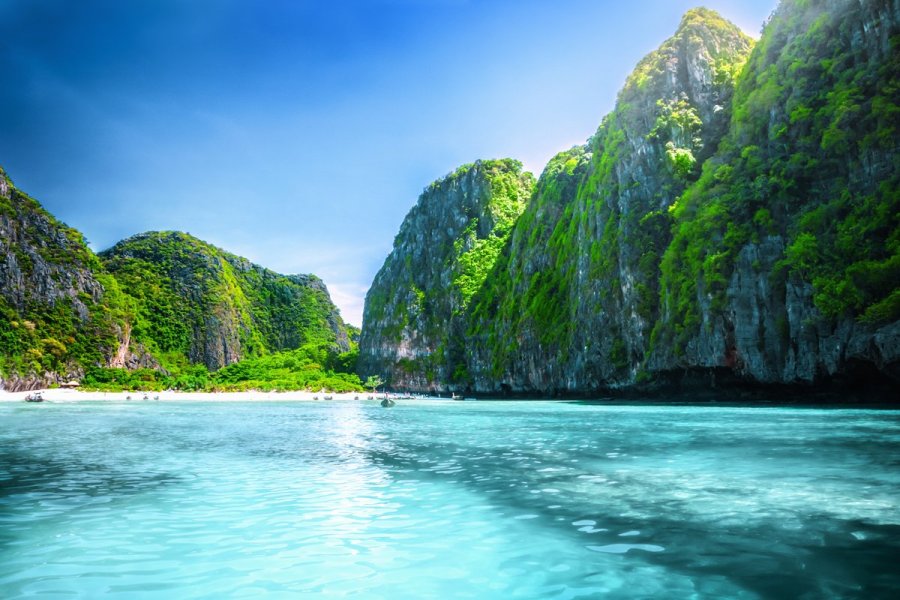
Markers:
point(435, 499)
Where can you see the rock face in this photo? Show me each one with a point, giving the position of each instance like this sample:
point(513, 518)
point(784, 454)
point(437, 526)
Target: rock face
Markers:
point(574, 304)
point(154, 299)
point(734, 221)
point(784, 266)
point(215, 308)
point(56, 315)
point(416, 311)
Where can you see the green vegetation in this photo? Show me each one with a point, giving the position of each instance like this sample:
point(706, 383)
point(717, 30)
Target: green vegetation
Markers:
point(195, 300)
point(313, 367)
point(454, 235)
point(475, 256)
point(58, 311)
point(373, 382)
point(162, 300)
point(678, 125)
point(811, 157)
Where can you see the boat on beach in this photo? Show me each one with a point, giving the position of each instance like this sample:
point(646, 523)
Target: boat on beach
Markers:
point(34, 397)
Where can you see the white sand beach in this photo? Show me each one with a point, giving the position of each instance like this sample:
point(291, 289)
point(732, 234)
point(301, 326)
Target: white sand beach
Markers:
point(70, 395)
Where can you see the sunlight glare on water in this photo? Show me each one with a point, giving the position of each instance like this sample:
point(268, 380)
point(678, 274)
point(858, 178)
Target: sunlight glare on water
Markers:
point(436, 499)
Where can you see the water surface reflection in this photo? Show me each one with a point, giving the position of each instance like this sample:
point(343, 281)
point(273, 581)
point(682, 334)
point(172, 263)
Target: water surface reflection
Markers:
point(450, 499)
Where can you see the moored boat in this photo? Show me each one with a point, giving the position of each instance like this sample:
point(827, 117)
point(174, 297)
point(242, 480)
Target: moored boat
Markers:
point(34, 397)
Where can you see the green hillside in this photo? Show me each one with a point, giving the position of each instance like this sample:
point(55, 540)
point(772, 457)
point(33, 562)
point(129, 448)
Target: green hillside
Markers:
point(734, 221)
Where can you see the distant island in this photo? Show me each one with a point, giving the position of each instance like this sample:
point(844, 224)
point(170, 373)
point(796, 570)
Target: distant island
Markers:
point(733, 225)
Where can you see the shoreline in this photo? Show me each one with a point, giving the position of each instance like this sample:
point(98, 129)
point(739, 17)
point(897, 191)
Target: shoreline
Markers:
point(62, 395)
point(779, 396)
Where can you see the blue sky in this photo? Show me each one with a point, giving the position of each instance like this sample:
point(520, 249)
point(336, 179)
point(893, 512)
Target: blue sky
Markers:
point(299, 133)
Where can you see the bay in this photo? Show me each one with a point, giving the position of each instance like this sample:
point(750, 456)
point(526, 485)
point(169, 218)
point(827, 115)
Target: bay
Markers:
point(441, 499)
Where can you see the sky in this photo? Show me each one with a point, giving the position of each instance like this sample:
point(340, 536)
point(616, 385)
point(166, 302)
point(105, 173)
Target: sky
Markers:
point(299, 133)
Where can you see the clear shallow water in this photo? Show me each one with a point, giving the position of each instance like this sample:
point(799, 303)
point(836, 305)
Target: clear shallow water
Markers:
point(447, 500)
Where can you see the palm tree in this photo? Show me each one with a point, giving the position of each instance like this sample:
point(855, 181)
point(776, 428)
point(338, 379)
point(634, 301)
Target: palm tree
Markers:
point(374, 382)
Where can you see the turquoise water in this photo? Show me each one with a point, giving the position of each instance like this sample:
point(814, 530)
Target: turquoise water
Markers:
point(447, 500)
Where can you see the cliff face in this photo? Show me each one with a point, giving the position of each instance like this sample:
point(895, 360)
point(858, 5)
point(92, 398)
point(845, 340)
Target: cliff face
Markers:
point(153, 300)
point(785, 262)
point(58, 311)
point(734, 219)
point(195, 300)
point(415, 315)
point(575, 303)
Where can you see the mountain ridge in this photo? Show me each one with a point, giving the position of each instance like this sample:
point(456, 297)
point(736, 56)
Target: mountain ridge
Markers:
point(686, 244)
point(219, 307)
point(65, 310)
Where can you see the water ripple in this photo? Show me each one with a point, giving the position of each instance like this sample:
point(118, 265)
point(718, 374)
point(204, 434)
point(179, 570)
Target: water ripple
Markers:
point(473, 500)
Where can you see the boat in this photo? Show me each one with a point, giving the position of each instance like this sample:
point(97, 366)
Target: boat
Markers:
point(387, 403)
point(34, 397)
point(456, 396)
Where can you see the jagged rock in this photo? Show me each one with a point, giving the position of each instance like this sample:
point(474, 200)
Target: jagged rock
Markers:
point(780, 318)
point(54, 313)
point(578, 293)
point(729, 225)
point(61, 311)
point(415, 315)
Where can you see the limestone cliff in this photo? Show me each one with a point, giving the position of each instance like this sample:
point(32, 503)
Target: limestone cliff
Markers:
point(153, 301)
point(733, 222)
point(785, 262)
point(195, 300)
point(574, 305)
point(415, 315)
point(58, 311)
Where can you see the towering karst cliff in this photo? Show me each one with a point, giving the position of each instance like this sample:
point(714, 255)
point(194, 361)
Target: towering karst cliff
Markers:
point(416, 309)
point(58, 310)
point(575, 302)
point(785, 262)
point(735, 218)
point(195, 300)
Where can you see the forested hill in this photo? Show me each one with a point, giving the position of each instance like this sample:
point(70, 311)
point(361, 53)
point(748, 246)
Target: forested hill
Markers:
point(156, 302)
point(735, 221)
point(59, 310)
point(195, 300)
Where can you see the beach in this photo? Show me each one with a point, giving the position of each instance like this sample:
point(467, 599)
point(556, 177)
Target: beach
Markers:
point(62, 395)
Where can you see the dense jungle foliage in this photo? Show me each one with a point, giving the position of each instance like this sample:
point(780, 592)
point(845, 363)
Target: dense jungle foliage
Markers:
point(168, 309)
